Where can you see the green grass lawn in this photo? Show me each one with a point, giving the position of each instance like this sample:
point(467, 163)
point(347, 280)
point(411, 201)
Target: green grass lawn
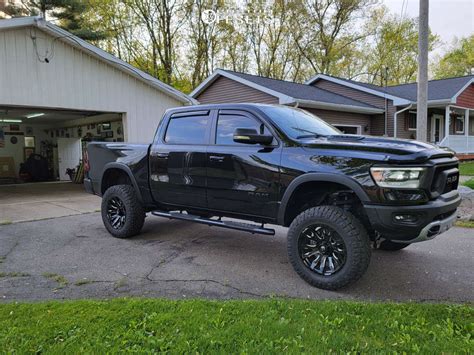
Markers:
point(466, 168)
point(465, 224)
point(469, 183)
point(268, 326)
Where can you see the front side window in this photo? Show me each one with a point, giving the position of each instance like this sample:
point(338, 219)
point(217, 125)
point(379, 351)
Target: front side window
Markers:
point(187, 130)
point(297, 123)
point(228, 123)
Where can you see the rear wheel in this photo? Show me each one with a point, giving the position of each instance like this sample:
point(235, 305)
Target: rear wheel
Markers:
point(328, 247)
point(122, 213)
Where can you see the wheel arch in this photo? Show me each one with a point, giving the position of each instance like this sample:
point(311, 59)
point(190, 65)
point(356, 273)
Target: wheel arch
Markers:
point(116, 174)
point(342, 180)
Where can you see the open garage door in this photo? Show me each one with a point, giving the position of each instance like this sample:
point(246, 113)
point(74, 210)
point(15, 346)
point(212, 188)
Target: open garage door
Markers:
point(38, 144)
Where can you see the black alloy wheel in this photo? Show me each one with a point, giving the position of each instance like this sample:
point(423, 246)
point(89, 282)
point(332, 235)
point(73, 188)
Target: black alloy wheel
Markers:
point(116, 213)
point(322, 249)
point(122, 213)
point(328, 247)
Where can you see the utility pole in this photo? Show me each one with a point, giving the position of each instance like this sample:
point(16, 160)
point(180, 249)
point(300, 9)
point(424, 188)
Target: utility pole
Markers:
point(422, 97)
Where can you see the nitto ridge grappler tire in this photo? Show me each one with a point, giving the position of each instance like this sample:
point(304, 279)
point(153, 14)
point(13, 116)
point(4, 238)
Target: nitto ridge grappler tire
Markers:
point(328, 247)
point(122, 213)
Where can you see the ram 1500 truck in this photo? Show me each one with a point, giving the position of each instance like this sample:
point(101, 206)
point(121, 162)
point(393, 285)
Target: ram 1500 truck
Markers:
point(340, 195)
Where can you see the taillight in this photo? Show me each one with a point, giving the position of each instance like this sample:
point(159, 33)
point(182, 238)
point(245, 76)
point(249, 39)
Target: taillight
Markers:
point(86, 162)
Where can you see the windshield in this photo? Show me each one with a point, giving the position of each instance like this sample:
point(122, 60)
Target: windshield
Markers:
point(297, 123)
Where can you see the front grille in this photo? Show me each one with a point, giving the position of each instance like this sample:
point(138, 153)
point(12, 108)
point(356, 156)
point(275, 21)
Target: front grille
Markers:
point(445, 178)
point(451, 182)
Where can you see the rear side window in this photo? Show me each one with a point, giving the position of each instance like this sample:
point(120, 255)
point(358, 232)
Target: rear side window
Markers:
point(227, 124)
point(187, 130)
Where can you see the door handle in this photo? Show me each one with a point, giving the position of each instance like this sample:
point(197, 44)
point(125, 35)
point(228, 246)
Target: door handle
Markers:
point(162, 155)
point(216, 158)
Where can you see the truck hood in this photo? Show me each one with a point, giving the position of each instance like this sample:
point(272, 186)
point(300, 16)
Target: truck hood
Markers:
point(386, 149)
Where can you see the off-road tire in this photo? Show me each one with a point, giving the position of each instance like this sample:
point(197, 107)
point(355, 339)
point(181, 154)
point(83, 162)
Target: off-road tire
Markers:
point(388, 245)
point(134, 211)
point(351, 231)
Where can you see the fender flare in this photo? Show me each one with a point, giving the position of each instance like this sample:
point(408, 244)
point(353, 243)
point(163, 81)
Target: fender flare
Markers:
point(127, 170)
point(319, 177)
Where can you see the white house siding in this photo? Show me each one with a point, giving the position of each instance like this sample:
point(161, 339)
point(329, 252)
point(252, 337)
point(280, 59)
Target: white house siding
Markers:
point(75, 79)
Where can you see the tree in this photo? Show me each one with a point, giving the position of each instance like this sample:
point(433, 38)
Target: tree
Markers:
point(34, 8)
point(392, 50)
point(458, 61)
point(236, 48)
point(271, 32)
point(68, 13)
point(118, 22)
point(329, 31)
point(204, 42)
point(70, 17)
point(159, 23)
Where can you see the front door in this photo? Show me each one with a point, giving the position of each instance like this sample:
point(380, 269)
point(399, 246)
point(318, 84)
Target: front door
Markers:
point(178, 160)
point(437, 128)
point(69, 155)
point(241, 178)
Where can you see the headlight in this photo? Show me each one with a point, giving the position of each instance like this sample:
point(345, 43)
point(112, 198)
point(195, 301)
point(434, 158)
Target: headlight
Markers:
point(406, 178)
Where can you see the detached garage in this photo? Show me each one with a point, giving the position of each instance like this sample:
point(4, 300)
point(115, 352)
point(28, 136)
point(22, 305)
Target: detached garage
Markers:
point(57, 92)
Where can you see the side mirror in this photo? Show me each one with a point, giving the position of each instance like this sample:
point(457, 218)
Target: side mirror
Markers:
point(251, 136)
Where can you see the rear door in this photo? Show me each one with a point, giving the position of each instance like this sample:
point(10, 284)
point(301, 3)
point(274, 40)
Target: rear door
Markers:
point(178, 159)
point(241, 178)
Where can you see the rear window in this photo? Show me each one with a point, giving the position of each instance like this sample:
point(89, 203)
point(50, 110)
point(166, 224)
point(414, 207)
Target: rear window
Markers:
point(187, 130)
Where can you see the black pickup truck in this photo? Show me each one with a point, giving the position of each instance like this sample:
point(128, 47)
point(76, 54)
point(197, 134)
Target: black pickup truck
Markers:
point(340, 195)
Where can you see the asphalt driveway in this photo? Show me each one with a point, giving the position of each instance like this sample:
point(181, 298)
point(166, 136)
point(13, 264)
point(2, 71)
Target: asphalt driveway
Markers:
point(74, 257)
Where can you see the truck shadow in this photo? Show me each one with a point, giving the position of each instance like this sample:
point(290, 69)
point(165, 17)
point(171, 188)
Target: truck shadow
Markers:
point(259, 264)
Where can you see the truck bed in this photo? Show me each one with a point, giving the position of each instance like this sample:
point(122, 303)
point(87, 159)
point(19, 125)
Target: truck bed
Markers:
point(104, 155)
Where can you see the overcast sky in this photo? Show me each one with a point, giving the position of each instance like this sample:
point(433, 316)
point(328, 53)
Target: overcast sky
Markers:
point(448, 18)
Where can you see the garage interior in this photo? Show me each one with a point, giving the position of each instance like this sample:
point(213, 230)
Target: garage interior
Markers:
point(38, 144)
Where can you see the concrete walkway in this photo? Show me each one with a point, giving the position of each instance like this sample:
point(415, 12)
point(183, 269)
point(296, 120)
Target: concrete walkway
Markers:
point(34, 201)
point(464, 178)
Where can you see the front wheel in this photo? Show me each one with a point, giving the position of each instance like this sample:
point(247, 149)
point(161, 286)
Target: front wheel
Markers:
point(328, 247)
point(122, 213)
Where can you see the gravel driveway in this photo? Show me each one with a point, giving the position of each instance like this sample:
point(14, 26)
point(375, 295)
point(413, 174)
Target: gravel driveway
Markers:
point(74, 257)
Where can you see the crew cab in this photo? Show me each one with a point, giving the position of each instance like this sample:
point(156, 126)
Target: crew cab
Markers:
point(339, 195)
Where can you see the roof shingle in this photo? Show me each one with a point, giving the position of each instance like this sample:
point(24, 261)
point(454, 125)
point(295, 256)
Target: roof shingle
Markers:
point(300, 91)
point(441, 89)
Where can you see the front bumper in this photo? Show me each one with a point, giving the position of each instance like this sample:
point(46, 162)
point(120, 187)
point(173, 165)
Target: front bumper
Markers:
point(433, 229)
point(432, 218)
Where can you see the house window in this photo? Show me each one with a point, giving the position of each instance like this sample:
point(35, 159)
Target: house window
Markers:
point(457, 119)
point(471, 123)
point(460, 124)
point(411, 121)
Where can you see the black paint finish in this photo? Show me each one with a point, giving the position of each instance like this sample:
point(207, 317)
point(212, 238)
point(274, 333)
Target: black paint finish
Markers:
point(256, 182)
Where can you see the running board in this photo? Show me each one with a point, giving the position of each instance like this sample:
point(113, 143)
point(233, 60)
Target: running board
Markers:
point(251, 228)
